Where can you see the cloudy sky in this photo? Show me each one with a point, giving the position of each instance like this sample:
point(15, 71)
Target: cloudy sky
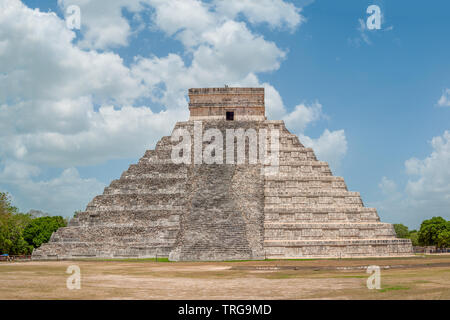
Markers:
point(78, 106)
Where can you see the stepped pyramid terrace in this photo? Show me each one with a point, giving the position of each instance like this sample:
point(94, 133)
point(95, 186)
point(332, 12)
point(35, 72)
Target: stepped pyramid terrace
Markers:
point(201, 195)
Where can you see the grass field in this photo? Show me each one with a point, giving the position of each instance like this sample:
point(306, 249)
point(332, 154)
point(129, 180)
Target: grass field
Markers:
point(420, 277)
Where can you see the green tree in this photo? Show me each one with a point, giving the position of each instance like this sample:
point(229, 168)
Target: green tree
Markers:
point(401, 230)
point(414, 236)
point(12, 224)
point(15, 243)
point(430, 230)
point(11, 233)
point(443, 239)
point(5, 204)
point(40, 230)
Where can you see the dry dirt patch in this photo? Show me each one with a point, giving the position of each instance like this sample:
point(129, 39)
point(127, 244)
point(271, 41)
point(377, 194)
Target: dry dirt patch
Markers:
point(423, 278)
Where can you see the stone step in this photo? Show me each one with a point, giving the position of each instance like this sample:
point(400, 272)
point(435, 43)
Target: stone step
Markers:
point(320, 217)
point(328, 225)
point(123, 216)
point(327, 230)
point(295, 149)
point(320, 209)
point(324, 214)
point(123, 234)
point(154, 168)
point(303, 163)
point(342, 242)
point(150, 178)
point(138, 200)
point(337, 248)
point(283, 171)
point(77, 250)
point(310, 163)
point(294, 192)
point(131, 208)
point(287, 158)
point(175, 190)
point(320, 183)
point(122, 220)
point(298, 202)
point(294, 178)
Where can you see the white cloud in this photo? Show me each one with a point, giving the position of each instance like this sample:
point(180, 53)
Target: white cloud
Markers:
point(51, 88)
point(427, 191)
point(226, 54)
point(77, 107)
point(40, 61)
point(185, 19)
point(274, 103)
point(234, 46)
point(109, 133)
point(276, 13)
point(331, 146)
point(59, 196)
point(444, 101)
point(104, 26)
point(387, 186)
point(433, 173)
point(18, 171)
point(102, 23)
point(303, 115)
point(66, 102)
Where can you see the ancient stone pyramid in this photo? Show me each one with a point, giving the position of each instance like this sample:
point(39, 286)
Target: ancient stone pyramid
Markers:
point(226, 211)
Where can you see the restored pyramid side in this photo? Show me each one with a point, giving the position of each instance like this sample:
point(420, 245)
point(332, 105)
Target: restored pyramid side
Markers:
point(310, 213)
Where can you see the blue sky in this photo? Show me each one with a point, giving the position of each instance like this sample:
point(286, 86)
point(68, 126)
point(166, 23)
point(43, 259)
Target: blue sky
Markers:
point(373, 103)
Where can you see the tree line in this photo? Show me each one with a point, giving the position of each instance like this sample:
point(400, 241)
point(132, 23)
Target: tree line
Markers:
point(432, 232)
point(20, 232)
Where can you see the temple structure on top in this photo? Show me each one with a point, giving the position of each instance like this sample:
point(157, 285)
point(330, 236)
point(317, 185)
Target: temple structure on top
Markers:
point(222, 211)
point(240, 104)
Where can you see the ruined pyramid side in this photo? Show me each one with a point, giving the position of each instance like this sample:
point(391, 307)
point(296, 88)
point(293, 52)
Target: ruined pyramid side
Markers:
point(137, 215)
point(310, 213)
